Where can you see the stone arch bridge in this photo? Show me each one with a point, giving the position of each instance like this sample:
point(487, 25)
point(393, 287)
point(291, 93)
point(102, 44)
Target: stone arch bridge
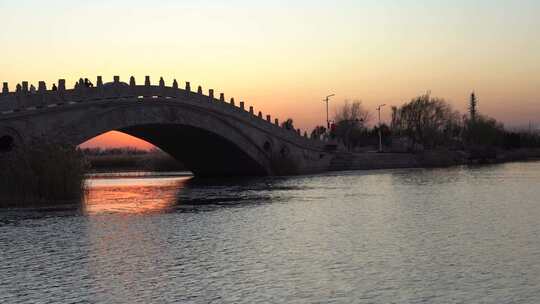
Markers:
point(211, 136)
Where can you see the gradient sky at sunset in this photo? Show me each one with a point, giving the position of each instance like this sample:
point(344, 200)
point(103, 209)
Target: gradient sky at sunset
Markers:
point(283, 57)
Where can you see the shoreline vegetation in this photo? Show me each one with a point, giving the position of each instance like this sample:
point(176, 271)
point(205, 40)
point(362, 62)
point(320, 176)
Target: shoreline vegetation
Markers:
point(45, 175)
point(31, 177)
point(38, 174)
point(42, 174)
point(129, 160)
point(424, 132)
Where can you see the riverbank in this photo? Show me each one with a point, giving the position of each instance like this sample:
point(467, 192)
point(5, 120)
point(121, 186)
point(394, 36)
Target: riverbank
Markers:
point(150, 161)
point(161, 162)
point(427, 159)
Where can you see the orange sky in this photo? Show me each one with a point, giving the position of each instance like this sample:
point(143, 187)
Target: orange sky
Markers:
point(283, 57)
point(115, 139)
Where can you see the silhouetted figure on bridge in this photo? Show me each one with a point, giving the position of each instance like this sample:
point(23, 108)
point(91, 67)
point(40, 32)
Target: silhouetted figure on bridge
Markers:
point(32, 89)
point(54, 88)
point(88, 84)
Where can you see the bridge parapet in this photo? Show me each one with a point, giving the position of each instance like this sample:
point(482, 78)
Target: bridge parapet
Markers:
point(22, 100)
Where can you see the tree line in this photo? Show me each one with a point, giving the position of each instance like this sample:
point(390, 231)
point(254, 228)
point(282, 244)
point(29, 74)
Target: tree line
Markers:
point(423, 123)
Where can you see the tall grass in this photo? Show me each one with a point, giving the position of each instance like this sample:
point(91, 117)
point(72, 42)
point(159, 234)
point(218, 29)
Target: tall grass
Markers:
point(41, 174)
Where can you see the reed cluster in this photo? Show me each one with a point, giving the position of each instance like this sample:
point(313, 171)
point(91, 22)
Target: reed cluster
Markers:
point(41, 174)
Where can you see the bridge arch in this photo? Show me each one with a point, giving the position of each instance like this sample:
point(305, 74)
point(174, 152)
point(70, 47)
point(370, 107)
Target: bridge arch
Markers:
point(211, 136)
point(207, 144)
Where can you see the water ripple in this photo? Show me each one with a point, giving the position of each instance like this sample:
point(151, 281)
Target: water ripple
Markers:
point(461, 235)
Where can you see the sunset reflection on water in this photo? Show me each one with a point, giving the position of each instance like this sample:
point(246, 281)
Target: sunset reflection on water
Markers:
point(452, 235)
point(132, 195)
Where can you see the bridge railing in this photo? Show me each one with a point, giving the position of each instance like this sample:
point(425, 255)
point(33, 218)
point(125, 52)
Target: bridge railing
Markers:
point(24, 99)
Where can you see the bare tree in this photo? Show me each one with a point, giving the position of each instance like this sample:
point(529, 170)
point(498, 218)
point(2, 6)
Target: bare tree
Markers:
point(350, 121)
point(352, 111)
point(426, 120)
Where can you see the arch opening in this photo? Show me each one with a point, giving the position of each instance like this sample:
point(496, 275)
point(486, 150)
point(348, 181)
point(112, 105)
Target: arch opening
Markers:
point(202, 152)
point(117, 152)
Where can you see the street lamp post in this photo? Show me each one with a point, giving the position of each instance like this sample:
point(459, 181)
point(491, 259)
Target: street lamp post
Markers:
point(380, 132)
point(327, 99)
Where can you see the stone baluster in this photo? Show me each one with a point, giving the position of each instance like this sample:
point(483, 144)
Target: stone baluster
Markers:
point(268, 118)
point(173, 90)
point(5, 88)
point(99, 86)
point(211, 93)
point(132, 86)
point(242, 105)
point(188, 88)
point(114, 91)
point(20, 98)
point(161, 88)
point(251, 110)
point(62, 85)
point(42, 90)
point(147, 91)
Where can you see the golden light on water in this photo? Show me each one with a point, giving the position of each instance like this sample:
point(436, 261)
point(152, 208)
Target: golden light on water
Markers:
point(132, 195)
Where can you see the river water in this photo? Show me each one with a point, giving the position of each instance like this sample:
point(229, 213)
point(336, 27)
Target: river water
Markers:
point(458, 235)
